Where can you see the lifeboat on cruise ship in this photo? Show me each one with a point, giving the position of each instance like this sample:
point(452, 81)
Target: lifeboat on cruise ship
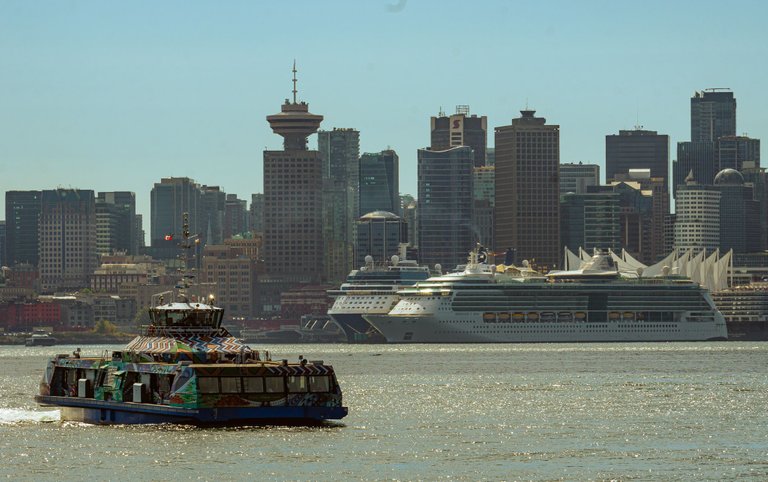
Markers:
point(580, 315)
point(518, 316)
point(565, 316)
point(548, 317)
point(533, 316)
point(614, 315)
point(503, 317)
point(629, 316)
point(489, 317)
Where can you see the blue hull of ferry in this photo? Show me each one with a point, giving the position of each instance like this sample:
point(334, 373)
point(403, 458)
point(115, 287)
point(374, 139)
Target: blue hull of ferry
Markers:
point(128, 413)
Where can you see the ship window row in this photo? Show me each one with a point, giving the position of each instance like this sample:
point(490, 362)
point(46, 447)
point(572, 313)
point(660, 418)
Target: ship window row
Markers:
point(291, 384)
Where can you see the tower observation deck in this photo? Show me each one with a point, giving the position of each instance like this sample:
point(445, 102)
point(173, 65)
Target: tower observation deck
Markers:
point(294, 122)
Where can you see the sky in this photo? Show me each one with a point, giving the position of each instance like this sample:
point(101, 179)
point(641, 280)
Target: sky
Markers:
point(115, 95)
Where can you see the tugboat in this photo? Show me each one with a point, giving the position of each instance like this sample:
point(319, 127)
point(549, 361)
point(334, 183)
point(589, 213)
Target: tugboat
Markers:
point(40, 339)
point(188, 369)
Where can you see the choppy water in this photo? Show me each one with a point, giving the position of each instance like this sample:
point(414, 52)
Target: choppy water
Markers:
point(517, 412)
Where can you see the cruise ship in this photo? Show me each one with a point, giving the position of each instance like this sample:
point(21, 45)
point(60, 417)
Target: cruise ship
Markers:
point(745, 309)
point(372, 289)
point(596, 303)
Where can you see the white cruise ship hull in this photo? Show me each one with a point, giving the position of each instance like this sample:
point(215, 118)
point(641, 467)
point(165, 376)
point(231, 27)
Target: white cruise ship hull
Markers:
point(470, 328)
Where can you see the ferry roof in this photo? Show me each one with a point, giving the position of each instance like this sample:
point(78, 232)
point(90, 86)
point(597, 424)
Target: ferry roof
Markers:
point(186, 306)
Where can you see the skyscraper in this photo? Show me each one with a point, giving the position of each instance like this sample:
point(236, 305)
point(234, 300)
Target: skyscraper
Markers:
point(380, 182)
point(116, 223)
point(170, 199)
point(379, 235)
point(212, 210)
point(67, 233)
point(445, 179)
point(22, 214)
point(698, 157)
point(340, 151)
point(235, 216)
point(460, 129)
point(713, 115)
point(740, 223)
point(256, 213)
point(577, 177)
point(483, 202)
point(637, 149)
point(293, 182)
point(590, 220)
point(528, 189)
point(732, 151)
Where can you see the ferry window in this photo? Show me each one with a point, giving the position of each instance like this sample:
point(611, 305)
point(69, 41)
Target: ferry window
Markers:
point(230, 384)
point(274, 385)
point(319, 384)
point(297, 384)
point(253, 384)
point(208, 384)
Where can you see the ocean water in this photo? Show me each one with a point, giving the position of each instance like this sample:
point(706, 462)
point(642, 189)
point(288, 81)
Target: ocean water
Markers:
point(656, 411)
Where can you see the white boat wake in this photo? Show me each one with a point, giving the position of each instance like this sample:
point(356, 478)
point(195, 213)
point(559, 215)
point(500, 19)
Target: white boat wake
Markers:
point(13, 415)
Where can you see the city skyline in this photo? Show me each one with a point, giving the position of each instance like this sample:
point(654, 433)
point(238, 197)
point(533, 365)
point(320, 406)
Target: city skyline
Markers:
point(90, 88)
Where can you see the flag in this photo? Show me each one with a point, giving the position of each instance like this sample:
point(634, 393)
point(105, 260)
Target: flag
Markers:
point(168, 237)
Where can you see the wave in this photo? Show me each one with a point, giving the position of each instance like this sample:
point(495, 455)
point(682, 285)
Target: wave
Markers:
point(14, 415)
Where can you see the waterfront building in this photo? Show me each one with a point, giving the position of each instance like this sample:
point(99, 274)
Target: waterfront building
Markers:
point(740, 224)
point(527, 215)
point(483, 203)
point(379, 182)
point(713, 115)
point(170, 199)
point(67, 233)
point(445, 179)
point(293, 183)
point(116, 223)
point(577, 178)
point(22, 214)
point(460, 129)
point(379, 234)
point(697, 223)
point(590, 221)
point(234, 272)
point(636, 149)
point(340, 151)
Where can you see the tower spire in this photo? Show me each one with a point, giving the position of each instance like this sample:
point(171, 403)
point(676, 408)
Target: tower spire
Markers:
point(294, 81)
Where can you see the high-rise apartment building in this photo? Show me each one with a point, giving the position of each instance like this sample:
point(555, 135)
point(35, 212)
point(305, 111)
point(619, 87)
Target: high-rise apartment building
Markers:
point(713, 115)
point(637, 149)
point(576, 178)
point(235, 274)
point(169, 200)
point(340, 151)
point(528, 189)
point(380, 182)
point(697, 222)
point(445, 179)
point(22, 214)
point(460, 129)
point(293, 197)
point(67, 233)
point(116, 223)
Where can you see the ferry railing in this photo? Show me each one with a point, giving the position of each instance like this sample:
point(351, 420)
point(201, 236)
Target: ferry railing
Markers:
point(154, 330)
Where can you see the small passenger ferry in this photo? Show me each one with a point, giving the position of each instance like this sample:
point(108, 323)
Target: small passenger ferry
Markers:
point(186, 368)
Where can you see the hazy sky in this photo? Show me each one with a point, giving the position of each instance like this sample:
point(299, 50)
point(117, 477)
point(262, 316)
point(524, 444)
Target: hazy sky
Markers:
point(115, 95)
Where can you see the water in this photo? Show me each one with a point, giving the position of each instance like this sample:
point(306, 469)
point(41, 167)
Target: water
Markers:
point(517, 412)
